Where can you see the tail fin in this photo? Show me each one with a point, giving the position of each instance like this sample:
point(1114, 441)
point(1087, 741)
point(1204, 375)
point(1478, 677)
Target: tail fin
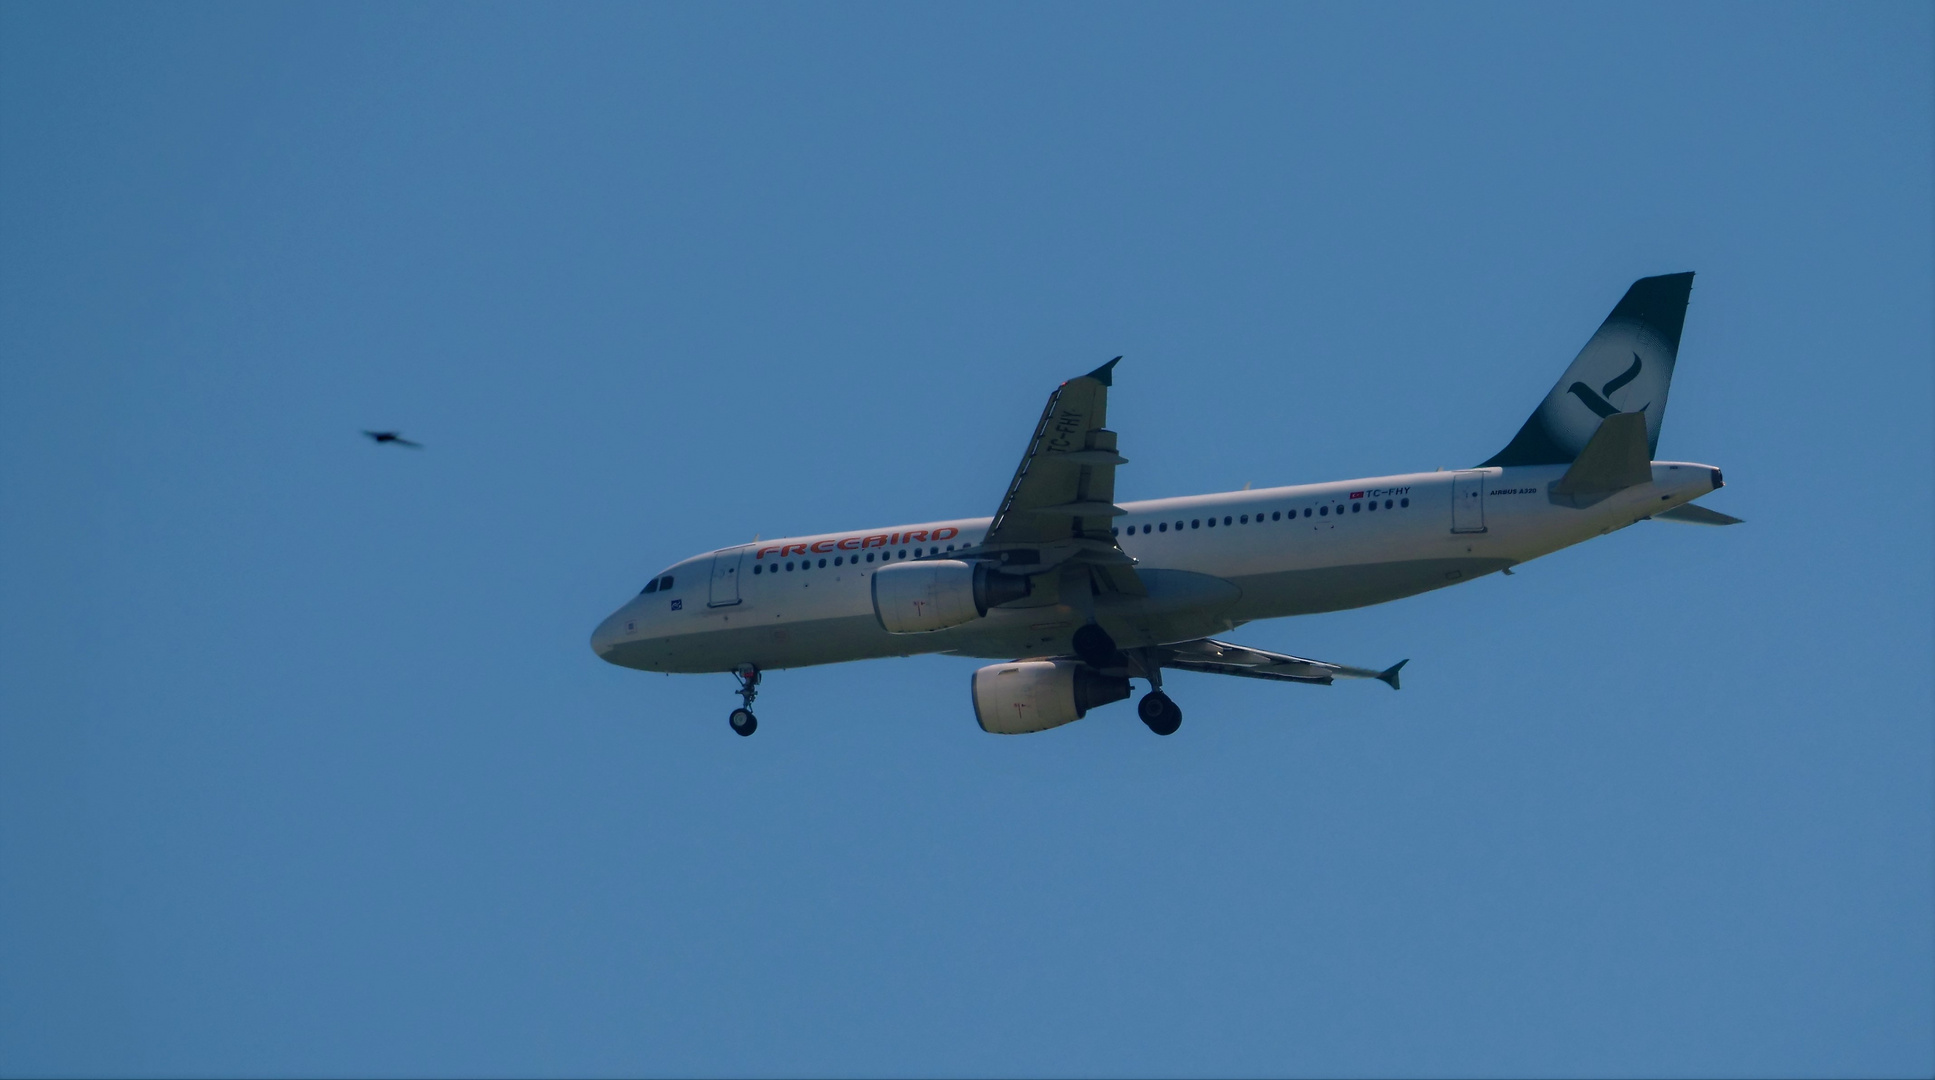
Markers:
point(1626, 367)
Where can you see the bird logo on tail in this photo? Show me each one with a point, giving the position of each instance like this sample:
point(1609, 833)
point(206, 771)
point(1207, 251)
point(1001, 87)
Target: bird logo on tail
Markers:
point(1599, 402)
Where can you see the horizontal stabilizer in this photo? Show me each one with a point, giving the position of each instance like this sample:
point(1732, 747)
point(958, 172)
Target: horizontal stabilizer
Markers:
point(1389, 674)
point(1697, 515)
point(1615, 458)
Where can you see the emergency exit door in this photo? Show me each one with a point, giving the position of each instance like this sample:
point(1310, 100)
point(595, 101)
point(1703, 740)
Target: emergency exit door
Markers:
point(1468, 502)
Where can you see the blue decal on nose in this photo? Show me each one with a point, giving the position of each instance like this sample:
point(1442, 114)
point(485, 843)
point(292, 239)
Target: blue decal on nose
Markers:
point(678, 605)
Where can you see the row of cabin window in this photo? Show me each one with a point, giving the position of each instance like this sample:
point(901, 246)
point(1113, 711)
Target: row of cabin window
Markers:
point(838, 560)
point(1195, 523)
point(657, 585)
point(1275, 515)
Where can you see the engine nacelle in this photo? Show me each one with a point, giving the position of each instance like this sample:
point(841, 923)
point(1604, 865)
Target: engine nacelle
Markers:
point(934, 594)
point(1035, 695)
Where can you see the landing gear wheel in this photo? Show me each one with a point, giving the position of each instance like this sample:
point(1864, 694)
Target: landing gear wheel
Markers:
point(1161, 714)
point(743, 721)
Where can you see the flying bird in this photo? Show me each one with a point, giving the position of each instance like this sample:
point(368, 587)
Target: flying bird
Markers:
point(393, 437)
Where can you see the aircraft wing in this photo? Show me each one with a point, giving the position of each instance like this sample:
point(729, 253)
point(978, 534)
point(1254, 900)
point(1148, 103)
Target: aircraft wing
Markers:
point(1222, 658)
point(1060, 506)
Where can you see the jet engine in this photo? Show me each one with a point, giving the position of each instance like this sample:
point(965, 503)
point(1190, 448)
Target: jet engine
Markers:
point(1035, 695)
point(934, 594)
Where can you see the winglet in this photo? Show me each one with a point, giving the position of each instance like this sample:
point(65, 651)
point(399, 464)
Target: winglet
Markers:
point(1105, 374)
point(1389, 674)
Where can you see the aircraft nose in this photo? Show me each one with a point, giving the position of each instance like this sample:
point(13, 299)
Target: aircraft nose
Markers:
point(606, 637)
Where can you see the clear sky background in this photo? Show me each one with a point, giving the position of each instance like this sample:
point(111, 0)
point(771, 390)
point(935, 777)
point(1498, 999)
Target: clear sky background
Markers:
point(306, 765)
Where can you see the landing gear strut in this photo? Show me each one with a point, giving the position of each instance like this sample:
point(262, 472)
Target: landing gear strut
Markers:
point(1156, 710)
point(742, 720)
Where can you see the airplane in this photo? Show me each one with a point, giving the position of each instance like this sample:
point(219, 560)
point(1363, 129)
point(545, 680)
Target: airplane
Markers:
point(381, 437)
point(1077, 594)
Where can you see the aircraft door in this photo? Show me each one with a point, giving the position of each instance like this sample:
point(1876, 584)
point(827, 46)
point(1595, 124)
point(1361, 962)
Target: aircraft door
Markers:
point(1468, 502)
point(725, 577)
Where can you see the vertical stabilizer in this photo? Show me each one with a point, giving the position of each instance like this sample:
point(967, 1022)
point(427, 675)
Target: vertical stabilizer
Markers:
point(1625, 368)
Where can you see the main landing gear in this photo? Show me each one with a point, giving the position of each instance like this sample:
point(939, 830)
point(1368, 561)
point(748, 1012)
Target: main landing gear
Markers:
point(1161, 714)
point(1156, 710)
point(1098, 650)
point(742, 720)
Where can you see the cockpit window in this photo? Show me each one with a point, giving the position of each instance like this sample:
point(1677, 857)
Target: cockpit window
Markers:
point(665, 583)
point(657, 584)
point(650, 587)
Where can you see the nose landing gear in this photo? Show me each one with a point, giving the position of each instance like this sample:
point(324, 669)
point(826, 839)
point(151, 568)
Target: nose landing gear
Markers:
point(742, 720)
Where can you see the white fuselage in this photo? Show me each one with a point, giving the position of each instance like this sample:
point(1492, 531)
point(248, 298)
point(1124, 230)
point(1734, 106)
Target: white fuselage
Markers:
point(1210, 563)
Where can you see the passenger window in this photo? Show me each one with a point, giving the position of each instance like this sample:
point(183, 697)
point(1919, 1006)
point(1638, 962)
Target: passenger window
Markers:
point(1323, 511)
point(1212, 523)
point(1226, 520)
point(1387, 504)
point(1245, 519)
point(903, 554)
point(1372, 505)
point(789, 566)
point(1165, 527)
point(822, 564)
point(758, 569)
point(1276, 515)
point(869, 556)
point(1195, 523)
point(1404, 502)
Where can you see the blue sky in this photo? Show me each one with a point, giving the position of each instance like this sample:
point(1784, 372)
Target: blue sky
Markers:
point(306, 766)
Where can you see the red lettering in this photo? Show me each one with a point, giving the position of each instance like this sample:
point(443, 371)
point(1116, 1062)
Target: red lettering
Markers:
point(822, 545)
point(876, 540)
point(848, 543)
point(946, 533)
point(772, 550)
point(920, 535)
point(794, 549)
